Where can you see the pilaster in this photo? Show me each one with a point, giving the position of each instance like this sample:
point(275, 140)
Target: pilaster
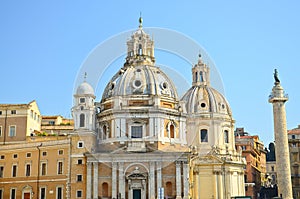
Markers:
point(121, 180)
point(95, 178)
point(89, 180)
point(178, 180)
point(185, 180)
point(114, 180)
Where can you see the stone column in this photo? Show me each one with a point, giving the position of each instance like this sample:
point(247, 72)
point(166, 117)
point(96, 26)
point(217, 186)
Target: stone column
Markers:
point(114, 181)
point(185, 180)
point(89, 180)
point(121, 180)
point(158, 177)
point(178, 180)
point(95, 185)
point(278, 99)
point(152, 181)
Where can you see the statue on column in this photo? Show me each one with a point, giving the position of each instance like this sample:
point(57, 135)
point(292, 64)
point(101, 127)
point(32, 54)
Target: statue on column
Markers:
point(277, 81)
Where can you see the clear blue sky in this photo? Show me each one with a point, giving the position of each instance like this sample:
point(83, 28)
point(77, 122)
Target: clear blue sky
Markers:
point(44, 43)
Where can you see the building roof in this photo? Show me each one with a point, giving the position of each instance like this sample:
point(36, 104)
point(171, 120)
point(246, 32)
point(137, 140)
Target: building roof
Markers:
point(294, 131)
point(17, 105)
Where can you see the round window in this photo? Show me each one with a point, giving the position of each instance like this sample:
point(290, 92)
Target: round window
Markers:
point(137, 83)
point(223, 106)
point(165, 85)
point(203, 105)
point(138, 70)
point(112, 86)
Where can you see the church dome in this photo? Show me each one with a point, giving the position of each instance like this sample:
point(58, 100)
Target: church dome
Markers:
point(140, 80)
point(139, 75)
point(85, 89)
point(202, 98)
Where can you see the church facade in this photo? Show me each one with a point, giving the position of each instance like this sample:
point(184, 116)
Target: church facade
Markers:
point(143, 141)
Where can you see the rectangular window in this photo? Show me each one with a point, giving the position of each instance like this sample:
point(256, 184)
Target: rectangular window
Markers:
point(59, 193)
point(13, 112)
point(0, 112)
point(43, 193)
point(13, 194)
point(60, 168)
point(15, 155)
point(14, 171)
point(79, 161)
point(43, 169)
point(44, 153)
point(12, 131)
point(136, 131)
point(28, 155)
point(31, 113)
point(82, 100)
point(1, 171)
point(51, 122)
point(1, 193)
point(79, 178)
point(79, 194)
point(0, 131)
point(60, 152)
point(80, 144)
point(2, 157)
point(204, 137)
point(226, 138)
point(28, 168)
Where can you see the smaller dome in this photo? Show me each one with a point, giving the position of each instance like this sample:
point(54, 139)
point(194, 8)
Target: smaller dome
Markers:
point(204, 99)
point(85, 89)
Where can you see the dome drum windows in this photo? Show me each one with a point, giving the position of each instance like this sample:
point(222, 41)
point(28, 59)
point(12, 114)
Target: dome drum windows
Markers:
point(171, 130)
point(204, 135)
point(137, 129)
point(226, 136)
point(104, 131)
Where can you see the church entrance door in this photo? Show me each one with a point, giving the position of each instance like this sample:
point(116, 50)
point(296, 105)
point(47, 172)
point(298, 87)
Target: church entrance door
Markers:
point(26, 196)
point(136, 194)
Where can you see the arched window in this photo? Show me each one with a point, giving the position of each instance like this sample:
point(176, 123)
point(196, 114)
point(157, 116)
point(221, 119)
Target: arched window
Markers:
point(104, 132)
point(172, 131)
point(201, 77)
point(204, 135)
point(104, 189)
point(226, 138)
point(196, 76)
point(169, 189)
point(140, 49)
point(82, 120)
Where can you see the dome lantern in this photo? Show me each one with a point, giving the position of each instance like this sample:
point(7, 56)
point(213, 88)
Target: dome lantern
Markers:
point(140, 48)
point(200, 73)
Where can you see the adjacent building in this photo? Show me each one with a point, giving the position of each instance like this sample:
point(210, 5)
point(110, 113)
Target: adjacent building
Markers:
point(253, 151)
point(294, 148)
point(18, 121)
point(56, 125)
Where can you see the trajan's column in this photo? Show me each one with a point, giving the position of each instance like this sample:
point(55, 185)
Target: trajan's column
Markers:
point(278, 99)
